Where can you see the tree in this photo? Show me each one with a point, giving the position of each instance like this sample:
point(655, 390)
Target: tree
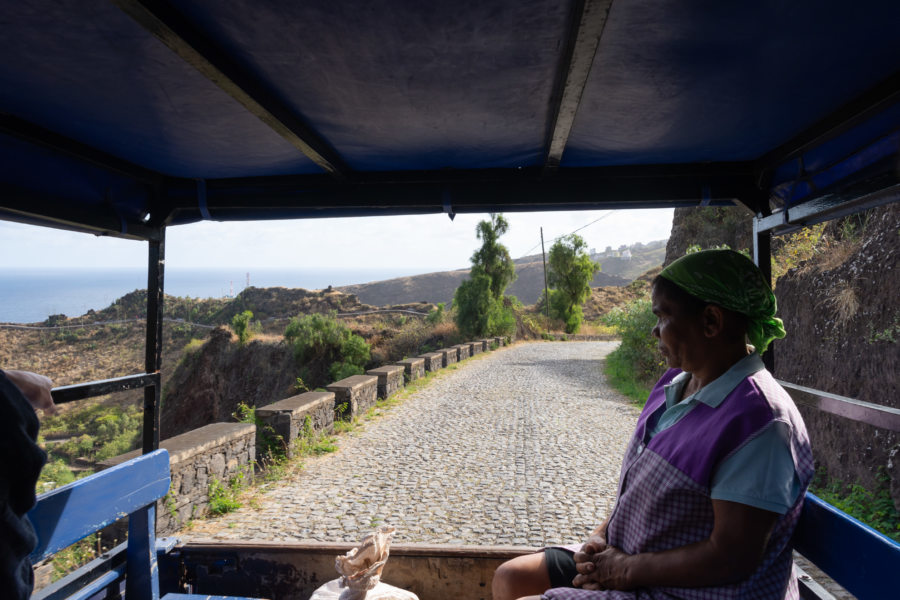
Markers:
point(571, 272)
point(480, 310)
point(493, 258)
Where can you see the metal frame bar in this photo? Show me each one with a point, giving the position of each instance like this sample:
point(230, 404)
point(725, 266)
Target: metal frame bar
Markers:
point(474, 191)
point(809, 588)
point(588, 21)
point(166, 23)
point(837, 122)
point(71, 393)
point(825, 208)
point(110, 565)
point(762, 256)
point(156, 260)
point(860, 411)
point(34, 134)
point(18, 206)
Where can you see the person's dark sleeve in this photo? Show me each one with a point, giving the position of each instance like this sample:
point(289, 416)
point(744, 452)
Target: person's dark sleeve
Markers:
point(21, 460)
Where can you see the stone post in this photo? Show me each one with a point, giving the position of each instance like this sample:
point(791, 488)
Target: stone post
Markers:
point(287, 418)
point(464, 351)
point(353, 395)
point(434, 361)
point(451, 356)
point(390, 379)
point(414, 368)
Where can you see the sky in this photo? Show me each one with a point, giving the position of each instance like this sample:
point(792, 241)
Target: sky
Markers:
point(420, 243)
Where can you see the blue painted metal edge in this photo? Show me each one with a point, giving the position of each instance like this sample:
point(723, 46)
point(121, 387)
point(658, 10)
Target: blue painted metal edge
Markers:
point(74, 511)
point(866, 562)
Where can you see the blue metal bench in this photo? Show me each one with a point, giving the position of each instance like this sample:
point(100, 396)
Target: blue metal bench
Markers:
point(71, 513)
point(862, 560)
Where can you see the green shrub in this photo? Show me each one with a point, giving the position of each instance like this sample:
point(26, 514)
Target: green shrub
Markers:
point(311, 442)
point(501, 320)
point(240, 323)
point(343, 369)
point(225, 498)
point(272, 450)
point(436, 315)
point(326, 348)
point(80, 553)
point(636, 363)
point(54, 474)
point(874, 508)
point(796, 248)
point(96, 433)
point(562, 309)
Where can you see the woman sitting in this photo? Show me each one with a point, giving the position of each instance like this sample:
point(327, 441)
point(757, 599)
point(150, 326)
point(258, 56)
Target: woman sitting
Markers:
point(714, 477)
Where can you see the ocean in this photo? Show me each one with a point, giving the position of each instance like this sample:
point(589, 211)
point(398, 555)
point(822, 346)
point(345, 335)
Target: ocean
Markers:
point(30, 296)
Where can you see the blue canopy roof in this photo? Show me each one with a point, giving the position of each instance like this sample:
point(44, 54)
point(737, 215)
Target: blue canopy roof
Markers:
point(121, 117)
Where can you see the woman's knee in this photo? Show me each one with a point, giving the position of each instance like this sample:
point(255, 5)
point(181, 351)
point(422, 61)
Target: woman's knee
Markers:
point(520, 576)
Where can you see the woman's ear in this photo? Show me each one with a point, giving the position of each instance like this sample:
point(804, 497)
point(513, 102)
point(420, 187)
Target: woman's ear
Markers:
point(713, 320)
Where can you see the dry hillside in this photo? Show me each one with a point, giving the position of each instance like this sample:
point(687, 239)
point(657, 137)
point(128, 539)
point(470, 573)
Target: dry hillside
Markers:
point(440, 287)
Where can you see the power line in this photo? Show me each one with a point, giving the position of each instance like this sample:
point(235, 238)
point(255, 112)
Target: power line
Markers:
point(600, 218)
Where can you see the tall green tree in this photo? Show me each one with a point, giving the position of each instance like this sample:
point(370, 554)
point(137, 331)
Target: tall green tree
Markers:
point(493, 258)
point(571, 272)
point(480, 309)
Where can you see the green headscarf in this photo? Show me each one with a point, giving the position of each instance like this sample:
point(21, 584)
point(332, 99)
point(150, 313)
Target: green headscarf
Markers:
point(732, 281)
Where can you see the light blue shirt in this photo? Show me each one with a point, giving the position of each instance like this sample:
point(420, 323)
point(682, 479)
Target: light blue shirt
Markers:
point(761, 473)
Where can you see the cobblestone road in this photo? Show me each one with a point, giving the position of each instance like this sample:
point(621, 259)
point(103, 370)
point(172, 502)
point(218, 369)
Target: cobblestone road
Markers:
point(520, 446)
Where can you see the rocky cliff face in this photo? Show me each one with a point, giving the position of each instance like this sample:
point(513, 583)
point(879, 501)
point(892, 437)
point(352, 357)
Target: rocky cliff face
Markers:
point(209, 383)
point(842, 316)
point(709, 227)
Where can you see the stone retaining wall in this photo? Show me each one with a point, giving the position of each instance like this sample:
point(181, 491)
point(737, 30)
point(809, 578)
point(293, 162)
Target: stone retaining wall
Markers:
point(219, 451)
point(475, 348)
point(359, 392)
point(414, 368)
point(288, 418)
point(581, 337)
point(434, 361)
point(451, 356)
point(390, 379)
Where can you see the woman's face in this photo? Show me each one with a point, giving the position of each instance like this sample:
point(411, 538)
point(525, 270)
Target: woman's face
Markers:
point(680, 335)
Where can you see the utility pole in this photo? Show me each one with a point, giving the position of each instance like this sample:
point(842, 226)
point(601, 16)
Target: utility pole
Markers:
point(546, 288)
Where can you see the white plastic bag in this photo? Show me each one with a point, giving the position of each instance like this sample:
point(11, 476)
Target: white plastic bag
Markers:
point(360, 571)
point(333, 591)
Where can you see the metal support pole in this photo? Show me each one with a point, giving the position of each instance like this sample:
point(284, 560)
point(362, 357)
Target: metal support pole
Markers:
point(153, 349)
point(762, 256)
point(546, 287)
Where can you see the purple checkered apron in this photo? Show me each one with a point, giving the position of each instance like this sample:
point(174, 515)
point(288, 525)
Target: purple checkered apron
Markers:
point(663, 500)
